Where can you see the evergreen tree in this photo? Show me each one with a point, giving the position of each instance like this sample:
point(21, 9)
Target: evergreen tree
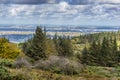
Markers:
point(37, 45)
point(85, 56)
point(63, 46)
point(67, 47)
point(56, 42)
point(115, 44)
point(104, 53)
point(115, 51)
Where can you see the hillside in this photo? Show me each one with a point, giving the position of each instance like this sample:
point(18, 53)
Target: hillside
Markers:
point(61, 58)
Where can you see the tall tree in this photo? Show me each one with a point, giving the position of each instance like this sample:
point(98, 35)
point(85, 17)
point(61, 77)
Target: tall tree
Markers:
point(85, 58)
point(67, 47)
point(36, 49)
point(63, 46)
point(104, 53)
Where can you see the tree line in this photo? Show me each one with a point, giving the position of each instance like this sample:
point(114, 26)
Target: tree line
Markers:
point(88, 38)
point(38, 46)
point(101, 53)
point(102, 50)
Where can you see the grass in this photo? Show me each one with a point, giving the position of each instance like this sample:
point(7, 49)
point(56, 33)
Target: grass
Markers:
point(103, 71)
point(37, 74)
point(90, 73)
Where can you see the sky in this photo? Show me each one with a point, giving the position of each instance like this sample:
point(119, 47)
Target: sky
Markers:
point(60, 12)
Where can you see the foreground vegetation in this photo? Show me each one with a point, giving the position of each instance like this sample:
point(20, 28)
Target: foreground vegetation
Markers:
point(87, 57)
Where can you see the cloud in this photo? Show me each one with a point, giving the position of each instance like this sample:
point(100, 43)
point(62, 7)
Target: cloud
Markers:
point(62, 12)
point(63, 6)
point(109, 1)
point(27, 1)
point(73, 2)
point(96, 1)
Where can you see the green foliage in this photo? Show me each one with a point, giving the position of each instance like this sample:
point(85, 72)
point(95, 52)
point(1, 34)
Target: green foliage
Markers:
point(40, 47)
point(102, 71)
point(104, 53)
point(19, 77)
point(4, 74)
point(8, 50)
point(89, 38)
point(63, 46)
point(6, 62)
point(35, 47)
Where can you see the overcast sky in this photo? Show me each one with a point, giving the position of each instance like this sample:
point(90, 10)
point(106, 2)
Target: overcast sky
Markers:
point(72, 12)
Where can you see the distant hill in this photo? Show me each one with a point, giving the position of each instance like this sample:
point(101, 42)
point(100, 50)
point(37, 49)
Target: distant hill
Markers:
point(20, 33)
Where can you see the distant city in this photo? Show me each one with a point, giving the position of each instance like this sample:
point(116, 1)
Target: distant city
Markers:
point(20, 33)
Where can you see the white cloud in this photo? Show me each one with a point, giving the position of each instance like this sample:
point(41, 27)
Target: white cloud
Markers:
point(62, 11)
point(63, 6)
point(108, 1)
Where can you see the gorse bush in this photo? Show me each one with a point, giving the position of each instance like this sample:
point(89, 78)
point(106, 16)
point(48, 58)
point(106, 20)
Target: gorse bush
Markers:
point(8, 50)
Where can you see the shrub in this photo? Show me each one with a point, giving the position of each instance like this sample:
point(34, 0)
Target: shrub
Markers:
point(60, 65)
point(4, 74)
point(8, 50)
point(21, 62)
point(6, 62)
point(20, 77)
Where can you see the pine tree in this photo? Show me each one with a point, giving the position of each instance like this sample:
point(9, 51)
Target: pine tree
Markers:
point(115, 44)
point(56, 42)
point(63, 46)
point(67, 47)
point(115, 51)
point(37, 45)
point(85, 56)
point(104, 51)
